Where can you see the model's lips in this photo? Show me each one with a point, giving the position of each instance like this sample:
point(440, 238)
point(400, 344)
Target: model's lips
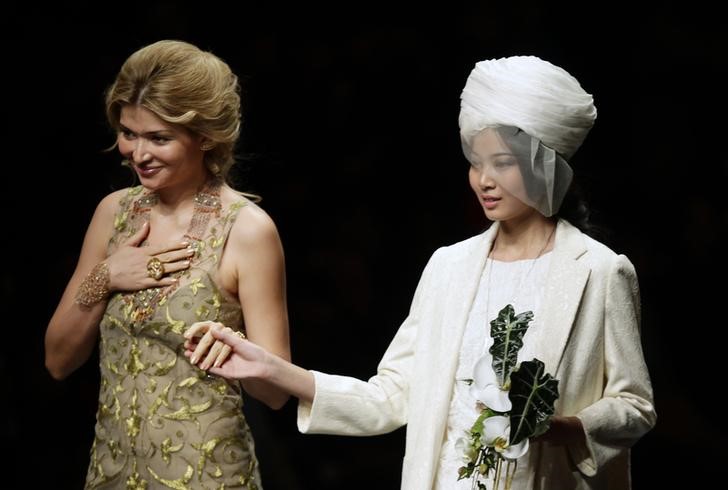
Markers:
point(490, 202)
point(147, 170)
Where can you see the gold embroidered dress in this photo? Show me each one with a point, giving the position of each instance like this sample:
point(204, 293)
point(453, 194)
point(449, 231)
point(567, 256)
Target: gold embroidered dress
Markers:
point(162, 422)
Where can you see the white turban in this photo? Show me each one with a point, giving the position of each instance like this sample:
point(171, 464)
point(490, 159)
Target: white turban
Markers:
point(529, 93)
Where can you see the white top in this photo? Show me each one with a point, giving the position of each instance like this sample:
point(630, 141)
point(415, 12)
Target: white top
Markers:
point(521, 284)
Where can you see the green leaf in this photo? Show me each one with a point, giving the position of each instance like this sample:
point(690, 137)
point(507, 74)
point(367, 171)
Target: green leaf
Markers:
point(532, 394)
point(507, 331)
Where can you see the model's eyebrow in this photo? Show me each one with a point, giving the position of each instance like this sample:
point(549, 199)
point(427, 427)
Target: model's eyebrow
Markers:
point(147, 133)
point(493, 155)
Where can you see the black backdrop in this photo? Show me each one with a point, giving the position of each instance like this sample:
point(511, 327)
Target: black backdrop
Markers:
point(351, 137)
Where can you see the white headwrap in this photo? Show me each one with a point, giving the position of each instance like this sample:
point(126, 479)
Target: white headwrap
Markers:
point(531, 94)
point(543, 101)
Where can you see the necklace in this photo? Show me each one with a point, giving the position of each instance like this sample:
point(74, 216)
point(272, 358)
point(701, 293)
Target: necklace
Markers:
point(141, 304)
point(207, 203)
point(522, 278)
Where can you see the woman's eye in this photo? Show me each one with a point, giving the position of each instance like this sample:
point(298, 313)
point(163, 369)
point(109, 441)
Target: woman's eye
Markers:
point(161, 139)
point(503, 164)
point(126, 134)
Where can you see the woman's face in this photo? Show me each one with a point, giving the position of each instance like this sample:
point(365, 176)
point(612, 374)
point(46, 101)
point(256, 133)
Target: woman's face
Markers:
point(162, 154)
point(496, 179)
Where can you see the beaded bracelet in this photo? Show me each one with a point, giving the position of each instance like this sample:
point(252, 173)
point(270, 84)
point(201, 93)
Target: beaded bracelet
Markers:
point(95, 287)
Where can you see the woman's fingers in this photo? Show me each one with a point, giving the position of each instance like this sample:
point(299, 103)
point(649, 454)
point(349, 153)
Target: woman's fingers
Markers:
point(229, 336)
point(133, 267)
point(178, 255)
point(240, 345)
point(212, 354)
point(223, 355)
point(197, 329)
point(179, 247)
point(208, 349)
point(171, 267)
point(137, 238)
point(202, 347)
point(219, 351)
point(170, 262)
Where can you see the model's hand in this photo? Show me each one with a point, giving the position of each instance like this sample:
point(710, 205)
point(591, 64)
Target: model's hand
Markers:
point(222, 351)
point(129, 264)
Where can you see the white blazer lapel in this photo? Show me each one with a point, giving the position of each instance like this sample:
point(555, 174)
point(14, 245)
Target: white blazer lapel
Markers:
point(565, 286)
point(466, 272)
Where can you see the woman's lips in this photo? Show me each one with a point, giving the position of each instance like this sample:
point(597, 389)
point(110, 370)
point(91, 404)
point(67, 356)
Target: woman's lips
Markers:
point(147, 172)
point(490, 202)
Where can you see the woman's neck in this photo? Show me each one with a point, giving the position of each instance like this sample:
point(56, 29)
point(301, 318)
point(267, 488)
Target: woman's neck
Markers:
point(175, 198)
point(523, 239)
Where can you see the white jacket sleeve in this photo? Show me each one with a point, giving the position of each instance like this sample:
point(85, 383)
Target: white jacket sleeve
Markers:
point(626, 411)
point(348, 406)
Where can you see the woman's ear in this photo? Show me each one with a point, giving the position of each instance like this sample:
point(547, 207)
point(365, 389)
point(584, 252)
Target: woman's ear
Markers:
point(206, 144)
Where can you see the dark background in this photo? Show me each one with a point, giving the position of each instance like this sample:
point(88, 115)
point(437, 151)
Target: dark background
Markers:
point(351, 137)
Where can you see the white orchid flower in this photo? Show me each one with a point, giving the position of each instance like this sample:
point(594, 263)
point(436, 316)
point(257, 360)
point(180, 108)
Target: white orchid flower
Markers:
point(469, 453)
point(485, 387)
point(496, 432)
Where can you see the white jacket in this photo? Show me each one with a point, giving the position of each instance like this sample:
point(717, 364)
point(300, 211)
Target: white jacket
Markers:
point(591, 306)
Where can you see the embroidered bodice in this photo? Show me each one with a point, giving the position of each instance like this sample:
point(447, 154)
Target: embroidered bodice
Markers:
point(162, 422)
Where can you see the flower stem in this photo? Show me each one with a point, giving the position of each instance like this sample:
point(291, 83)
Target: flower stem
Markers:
point(509, 473)
point(496, 482)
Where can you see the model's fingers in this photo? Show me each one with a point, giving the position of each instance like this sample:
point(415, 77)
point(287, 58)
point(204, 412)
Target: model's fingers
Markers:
point(176, 255)
point(202, 348)
point(223, 355)
point(171, 267)
point(197, 329)
point(231, 337)
point(168, 247)
point(137, 238)
point(212, 355)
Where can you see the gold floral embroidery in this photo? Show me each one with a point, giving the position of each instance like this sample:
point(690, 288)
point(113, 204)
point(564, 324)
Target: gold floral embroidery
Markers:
point(176, 326)
point(195, 285)
point(167, 449)
point(161, 421)
point(180, 483)
point(135, 481)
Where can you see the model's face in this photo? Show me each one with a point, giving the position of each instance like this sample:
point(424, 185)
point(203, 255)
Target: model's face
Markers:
point(496, 179)
point(162, 154)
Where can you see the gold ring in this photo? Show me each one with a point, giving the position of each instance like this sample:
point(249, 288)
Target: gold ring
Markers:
point(155, 268)
point(240, 334)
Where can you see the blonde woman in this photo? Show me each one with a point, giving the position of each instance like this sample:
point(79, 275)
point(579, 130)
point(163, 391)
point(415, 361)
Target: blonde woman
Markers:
point(180, 248)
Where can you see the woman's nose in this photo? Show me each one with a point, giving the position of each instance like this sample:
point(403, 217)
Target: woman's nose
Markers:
point(484, 177)
point(140, 154)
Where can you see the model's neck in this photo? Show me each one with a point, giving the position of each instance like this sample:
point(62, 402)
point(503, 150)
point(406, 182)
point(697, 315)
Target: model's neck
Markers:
point(174, 198)
point(524, 239)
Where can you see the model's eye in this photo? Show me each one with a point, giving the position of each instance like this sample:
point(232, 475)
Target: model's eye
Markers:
point(126, 134)
point(159, 139)
point(504, 163)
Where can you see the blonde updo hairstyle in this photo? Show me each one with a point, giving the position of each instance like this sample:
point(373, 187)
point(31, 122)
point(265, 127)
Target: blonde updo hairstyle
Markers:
point(186, 86)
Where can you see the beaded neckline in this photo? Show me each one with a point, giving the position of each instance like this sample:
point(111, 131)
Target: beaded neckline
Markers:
point(207, 203)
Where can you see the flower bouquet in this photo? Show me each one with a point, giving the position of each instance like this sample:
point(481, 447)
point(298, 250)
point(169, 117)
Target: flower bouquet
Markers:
point(515, 403)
